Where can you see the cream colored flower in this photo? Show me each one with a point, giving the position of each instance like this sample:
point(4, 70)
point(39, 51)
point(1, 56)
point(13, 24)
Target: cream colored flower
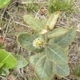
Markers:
point(38, 43)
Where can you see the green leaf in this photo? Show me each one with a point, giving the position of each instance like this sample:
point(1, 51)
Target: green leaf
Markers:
point(61, 70)
point(1, 65)
point(66, 39)
point(56, 54)
point(52, 20)
point(34, 23)
point(57, 32)
point(26, 41)
point(7, 59)
point(21, 61)
point(34, 58)
point(4, 3)
point(4, 71)
point(67, 50)
point(44, 68)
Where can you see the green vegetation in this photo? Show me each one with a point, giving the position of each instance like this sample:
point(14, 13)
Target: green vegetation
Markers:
point(49, 44)
point(44, 43)
point(4, 3)
point(52, 5)
point(60, 5)
point(8, 61)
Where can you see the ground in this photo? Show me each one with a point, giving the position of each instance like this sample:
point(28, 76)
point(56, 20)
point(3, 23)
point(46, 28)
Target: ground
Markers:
point(11, 24)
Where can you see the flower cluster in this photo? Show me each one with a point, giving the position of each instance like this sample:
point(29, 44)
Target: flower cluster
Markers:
point(38, 43)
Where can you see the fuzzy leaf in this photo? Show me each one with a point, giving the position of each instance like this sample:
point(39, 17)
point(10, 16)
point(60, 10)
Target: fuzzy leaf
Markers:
point(57, 32)
point(44, 68)
point(4, 71)
point(26, 41)
point(66, 39)
point(52, 20)
point(4, 3)
point(34, 23)
point(21, 61)
point(33, 59)
point(67, 50)
point(7, 59)
point(56, 54)
point(61, 70)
